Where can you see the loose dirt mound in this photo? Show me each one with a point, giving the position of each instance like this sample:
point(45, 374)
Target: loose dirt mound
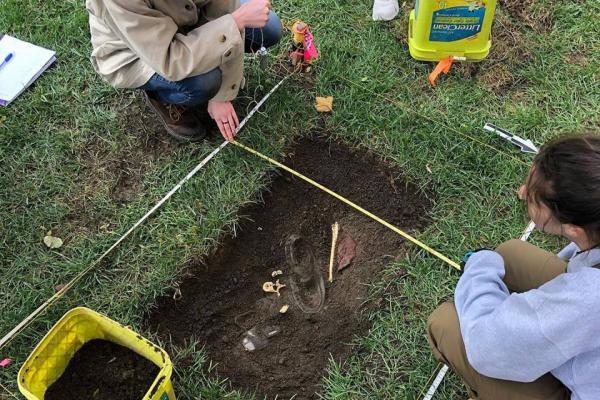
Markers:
point(225, 298)
point(104, 370)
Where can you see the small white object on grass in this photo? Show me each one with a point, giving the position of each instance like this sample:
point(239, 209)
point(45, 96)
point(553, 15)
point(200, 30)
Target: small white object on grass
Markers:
point(528, 231)
point(52, 242)
point(525, 145)
point(385, 10)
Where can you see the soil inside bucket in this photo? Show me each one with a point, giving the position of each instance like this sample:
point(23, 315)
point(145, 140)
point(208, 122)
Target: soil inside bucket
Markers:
point(104, 370)
point(224, 299)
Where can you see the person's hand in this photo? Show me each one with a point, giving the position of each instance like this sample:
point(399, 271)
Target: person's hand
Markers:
point(253, 14)
point(224, 115)
point(468, 255)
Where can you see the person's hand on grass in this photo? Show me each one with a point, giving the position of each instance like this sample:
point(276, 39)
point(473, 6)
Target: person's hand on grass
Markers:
point(224, 115)
point(253, 14)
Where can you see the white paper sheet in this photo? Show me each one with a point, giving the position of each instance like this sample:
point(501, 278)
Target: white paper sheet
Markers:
point(28, 63)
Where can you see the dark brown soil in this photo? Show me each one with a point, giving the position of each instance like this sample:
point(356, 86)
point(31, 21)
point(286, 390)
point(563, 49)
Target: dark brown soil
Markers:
point(225, 298)
point(104, 370)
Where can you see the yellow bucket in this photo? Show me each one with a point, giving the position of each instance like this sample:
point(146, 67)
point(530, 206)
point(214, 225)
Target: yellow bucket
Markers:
point(50, 358)
point(439, 29)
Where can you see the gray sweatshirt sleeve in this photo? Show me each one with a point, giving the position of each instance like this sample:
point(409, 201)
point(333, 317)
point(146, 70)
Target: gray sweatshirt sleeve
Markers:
point(568, 252)
point(520, 337)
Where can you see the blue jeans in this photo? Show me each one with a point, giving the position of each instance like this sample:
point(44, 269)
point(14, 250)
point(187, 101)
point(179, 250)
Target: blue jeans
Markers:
point(200, 89)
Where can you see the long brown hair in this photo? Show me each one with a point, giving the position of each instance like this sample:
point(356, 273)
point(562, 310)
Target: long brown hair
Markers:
point(566, 178)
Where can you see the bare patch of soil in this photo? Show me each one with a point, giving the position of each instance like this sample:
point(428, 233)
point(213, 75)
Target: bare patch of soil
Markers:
point(531, 13)
point(128, 186)
point(117, 168)
point(225, 298)
point(580, 54)
point(510, 50)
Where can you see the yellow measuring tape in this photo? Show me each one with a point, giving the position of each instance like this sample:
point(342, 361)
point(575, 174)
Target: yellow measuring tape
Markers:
point(351, 204)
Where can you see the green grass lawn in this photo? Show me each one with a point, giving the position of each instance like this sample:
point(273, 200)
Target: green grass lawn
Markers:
point(86, 161)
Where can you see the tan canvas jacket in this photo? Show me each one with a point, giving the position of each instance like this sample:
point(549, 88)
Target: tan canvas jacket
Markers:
point(133, 39)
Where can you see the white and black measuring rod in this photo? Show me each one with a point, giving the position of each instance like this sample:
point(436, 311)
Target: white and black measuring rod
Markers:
point(526, 145)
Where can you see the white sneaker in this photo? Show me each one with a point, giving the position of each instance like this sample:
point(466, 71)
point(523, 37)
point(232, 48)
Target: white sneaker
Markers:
point(385, 10)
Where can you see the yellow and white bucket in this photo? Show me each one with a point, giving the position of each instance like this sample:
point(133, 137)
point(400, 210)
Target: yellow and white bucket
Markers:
point(439, 29)
point(50, 358)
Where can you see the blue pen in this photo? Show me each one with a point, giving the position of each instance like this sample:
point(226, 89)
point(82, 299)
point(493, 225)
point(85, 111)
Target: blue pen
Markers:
point(7, 59)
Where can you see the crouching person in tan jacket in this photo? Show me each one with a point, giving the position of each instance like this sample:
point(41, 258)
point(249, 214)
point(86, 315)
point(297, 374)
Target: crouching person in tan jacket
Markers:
point(186, 55)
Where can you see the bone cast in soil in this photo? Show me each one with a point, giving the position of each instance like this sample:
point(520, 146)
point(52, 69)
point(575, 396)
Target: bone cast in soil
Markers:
point(104, 370)
point(225, 298)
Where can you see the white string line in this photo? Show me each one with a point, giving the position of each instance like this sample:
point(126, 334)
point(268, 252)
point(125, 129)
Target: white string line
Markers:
point(8, 391)
point(31, 317)
point(436, 382)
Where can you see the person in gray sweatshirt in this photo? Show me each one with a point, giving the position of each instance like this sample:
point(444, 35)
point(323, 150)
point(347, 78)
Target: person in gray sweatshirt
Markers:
point(525, 323)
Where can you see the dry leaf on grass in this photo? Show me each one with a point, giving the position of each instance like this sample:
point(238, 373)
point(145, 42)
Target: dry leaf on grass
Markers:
point(324, 104)
point(346, 252)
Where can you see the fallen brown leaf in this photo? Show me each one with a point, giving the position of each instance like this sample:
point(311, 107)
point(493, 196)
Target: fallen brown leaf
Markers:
point(346, 252)
point(324, 104)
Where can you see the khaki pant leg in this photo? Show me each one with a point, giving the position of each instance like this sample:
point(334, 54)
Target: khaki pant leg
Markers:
point(527, 266)
point(447, 344)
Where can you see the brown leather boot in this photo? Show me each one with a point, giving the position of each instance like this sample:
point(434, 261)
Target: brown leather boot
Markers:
point(179, 121)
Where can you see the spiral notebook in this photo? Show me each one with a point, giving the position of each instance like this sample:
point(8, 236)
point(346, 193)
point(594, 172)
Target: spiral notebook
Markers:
point(28, 62)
